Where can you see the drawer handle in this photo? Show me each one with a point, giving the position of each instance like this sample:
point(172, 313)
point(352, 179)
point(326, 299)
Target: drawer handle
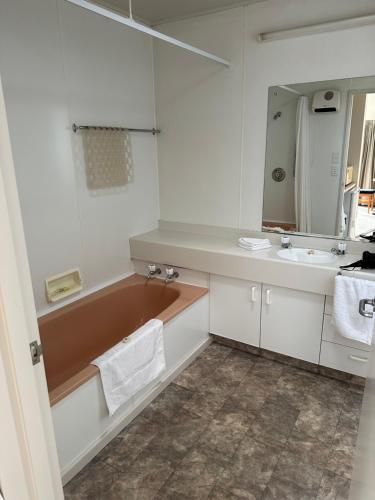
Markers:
point(253, 294)
point(357, 358)
point(268, 297)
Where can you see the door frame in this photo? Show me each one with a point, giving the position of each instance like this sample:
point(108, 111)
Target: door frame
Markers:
point(29, 468)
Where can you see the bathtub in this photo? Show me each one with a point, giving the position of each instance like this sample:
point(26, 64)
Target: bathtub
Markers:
point(76, 334)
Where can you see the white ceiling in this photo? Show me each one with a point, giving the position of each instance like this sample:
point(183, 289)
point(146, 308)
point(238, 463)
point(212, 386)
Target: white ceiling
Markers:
point(158, 11)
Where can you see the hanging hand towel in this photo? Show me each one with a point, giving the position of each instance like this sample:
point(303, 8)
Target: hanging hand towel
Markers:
point(132, 364)
point(346, 318)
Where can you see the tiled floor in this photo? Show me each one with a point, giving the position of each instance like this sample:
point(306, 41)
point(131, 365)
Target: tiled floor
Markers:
point(232, 426)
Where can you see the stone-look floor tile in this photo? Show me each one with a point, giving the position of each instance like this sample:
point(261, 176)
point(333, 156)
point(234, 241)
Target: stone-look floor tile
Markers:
point(275, 421)
point(127, 445)
point(178, 436)
point(341, 457)
point(142, 480)
point(251, 469)
point(317, 420)
point(291, 469)
point(333, 487)
point(206, 404)
point(251, 394)
point(225, 432)
point(308, 449)
point(277, 489)
point(167, 404)
point(218, 493)
point(329, 392)
point(268, 369)
point(215, 353)
point(294, 384)
point(92, 482)
point(351, 411)
point(193, 478)
point(191, 378)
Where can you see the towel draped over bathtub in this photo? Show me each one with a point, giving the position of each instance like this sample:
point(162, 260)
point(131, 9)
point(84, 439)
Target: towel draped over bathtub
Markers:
point(132, 364)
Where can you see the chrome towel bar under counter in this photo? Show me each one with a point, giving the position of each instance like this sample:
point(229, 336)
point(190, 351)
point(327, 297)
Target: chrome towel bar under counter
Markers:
point(152, 131)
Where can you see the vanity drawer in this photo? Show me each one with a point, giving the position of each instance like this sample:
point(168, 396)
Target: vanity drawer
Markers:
point(345, 359)
point(330, 334)
point(328, 306)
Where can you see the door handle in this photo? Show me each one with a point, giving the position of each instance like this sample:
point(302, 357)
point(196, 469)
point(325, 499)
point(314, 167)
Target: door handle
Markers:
point(253, 294)
point(268, 297)
point(362, 307)
point(358, 358)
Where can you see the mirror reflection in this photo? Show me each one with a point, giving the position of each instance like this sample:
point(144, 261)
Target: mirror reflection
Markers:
point(320, 158)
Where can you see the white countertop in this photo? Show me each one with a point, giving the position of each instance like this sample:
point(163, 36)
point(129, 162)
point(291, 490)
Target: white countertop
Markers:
point(220, 255)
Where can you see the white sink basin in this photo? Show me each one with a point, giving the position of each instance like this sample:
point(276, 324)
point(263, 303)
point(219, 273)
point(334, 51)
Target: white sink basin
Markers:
point(307, 255)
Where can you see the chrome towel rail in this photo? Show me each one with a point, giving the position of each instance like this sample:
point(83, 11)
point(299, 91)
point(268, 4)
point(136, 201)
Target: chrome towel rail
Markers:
point(152, 131)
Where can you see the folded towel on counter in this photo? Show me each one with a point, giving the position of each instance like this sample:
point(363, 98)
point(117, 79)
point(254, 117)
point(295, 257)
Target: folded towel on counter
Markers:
point(254, 243)
point(346, 318)
point(132, 364)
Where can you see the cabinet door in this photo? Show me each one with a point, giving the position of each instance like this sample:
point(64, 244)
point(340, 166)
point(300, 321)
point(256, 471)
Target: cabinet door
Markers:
point(292, 322)
point(235, 309)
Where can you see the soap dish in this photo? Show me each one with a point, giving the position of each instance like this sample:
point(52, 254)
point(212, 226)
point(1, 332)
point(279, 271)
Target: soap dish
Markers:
point(63, 285)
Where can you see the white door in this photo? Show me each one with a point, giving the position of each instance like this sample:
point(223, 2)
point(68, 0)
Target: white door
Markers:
point(292, 322)
point(28, 459)
point(235, 309)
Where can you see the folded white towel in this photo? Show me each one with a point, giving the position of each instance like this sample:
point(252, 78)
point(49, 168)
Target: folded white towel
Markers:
point(254, 242)
point(252, 249)
point(132, 364)
point(346, 318)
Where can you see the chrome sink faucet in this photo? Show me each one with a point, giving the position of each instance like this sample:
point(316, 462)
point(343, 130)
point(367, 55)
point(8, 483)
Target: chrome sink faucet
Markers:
point(170, 274)
point(153, 271)
point(285, 241)
point(341, 248)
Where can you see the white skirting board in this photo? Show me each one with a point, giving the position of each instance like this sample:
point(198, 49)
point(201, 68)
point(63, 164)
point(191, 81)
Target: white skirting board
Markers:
point(82, 424)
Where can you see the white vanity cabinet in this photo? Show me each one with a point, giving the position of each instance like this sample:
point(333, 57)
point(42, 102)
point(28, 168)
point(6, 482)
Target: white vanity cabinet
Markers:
point(235, 309)
point(274, 318)
point(339, 352)
point(291, 322)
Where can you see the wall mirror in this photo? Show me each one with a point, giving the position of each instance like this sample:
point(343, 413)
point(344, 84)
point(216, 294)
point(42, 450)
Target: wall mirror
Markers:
point(320, 158)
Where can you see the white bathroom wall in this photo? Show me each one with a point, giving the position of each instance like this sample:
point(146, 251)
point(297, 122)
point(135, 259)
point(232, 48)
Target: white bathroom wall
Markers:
point(200, 105)
point(61, 65)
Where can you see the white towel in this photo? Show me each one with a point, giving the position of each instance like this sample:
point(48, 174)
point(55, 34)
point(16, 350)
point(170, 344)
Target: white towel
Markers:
point(254, 243)
point(132, 364)
point(346, 318)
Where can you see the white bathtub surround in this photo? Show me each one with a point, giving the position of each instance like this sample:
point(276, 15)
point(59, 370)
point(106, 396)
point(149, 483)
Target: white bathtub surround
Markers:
point(254, 243)
point(346, 317)
point(82, 424)
point(132, 364)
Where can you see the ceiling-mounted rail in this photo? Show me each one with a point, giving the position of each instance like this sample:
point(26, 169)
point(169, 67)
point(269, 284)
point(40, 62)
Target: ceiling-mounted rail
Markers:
point(145, 29)
point(314, 29)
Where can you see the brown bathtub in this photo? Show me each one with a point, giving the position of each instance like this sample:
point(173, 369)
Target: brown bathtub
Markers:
point(76, 334)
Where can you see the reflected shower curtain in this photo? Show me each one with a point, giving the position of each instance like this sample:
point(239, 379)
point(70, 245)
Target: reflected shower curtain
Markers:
point(302, 187)
point(368, 157)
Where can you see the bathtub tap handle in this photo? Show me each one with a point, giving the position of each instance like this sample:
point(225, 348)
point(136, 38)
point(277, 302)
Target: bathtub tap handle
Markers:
point(170, 274)
point(153, 271)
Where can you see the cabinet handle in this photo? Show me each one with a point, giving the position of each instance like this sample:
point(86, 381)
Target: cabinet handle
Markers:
point(357, 358)
point(268, 297)
point(253, 294)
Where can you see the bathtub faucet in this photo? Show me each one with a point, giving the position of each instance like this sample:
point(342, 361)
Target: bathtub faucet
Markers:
point(170, 274)
point(153, 271)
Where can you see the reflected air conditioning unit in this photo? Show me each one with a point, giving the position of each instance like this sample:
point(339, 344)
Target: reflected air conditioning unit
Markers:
point(326, 101)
